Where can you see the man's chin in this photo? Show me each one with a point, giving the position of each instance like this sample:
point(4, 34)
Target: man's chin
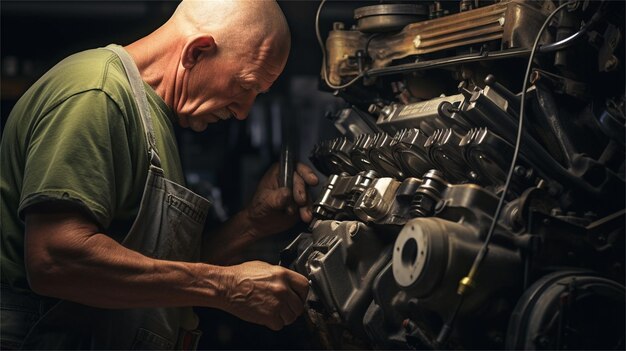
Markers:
point(198, 126)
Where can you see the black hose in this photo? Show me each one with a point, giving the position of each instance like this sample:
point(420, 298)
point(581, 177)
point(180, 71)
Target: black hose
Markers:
point(574, 38)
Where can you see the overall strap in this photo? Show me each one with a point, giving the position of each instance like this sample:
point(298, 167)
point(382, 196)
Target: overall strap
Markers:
point(136, 84)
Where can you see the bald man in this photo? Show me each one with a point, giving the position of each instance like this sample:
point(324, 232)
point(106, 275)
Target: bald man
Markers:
point(102, 245)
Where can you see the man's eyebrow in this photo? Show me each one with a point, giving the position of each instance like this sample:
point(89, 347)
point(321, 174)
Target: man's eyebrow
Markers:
point(252, 86)
point(257, 88)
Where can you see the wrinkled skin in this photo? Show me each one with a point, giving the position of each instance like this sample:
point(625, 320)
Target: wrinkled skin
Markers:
point(196, 64)
point(262, 292)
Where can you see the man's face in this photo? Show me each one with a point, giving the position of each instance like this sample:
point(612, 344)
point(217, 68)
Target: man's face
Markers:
point(222, 88)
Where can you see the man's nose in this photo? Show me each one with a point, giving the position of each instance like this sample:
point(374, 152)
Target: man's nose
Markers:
point(242, 108)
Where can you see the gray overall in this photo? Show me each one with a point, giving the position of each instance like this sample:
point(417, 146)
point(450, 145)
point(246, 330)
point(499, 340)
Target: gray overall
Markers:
point(168, 226)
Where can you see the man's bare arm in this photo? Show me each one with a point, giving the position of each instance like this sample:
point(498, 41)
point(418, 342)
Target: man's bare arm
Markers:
point(66, 257)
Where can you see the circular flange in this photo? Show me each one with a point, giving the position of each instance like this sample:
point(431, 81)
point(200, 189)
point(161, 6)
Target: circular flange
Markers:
point(388, 17)
point(409, 255)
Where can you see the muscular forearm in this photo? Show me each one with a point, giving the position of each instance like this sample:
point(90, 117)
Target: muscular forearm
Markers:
point(70, 260)
point(66, 257)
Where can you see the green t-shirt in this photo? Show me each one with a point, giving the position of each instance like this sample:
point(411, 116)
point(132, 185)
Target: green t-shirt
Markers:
point(76, 136)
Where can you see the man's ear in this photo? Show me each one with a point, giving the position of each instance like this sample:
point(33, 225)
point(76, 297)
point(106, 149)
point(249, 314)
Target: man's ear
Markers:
point(195, 48)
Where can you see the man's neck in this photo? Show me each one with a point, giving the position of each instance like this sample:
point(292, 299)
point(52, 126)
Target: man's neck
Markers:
point(156, 58)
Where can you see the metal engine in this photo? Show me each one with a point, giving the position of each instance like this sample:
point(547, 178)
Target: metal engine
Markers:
point(427, 235)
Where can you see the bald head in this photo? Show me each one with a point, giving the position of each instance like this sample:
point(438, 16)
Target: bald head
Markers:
point(235, 24)
point(212, 57)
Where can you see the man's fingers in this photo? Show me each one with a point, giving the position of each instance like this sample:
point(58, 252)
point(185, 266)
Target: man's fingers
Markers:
point(304, 176)
point(307, 174)
point(299, 284)
point(293, 298)
point(276, 324)
point(293, 310)
point(305, 214)
point(299, 190)
point(283, 199)
point(280, 198)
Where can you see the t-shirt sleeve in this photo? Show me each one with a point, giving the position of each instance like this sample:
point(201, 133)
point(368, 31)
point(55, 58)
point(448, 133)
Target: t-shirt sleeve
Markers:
point(71, 155)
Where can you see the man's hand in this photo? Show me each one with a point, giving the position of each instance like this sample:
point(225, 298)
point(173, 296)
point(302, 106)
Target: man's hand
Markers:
point(265, 294)
point(274, 209)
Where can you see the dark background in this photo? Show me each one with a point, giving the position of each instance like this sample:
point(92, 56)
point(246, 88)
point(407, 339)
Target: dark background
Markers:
point(227, 159)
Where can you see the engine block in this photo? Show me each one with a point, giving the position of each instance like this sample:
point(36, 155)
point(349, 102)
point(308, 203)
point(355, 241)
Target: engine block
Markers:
point(406, 249)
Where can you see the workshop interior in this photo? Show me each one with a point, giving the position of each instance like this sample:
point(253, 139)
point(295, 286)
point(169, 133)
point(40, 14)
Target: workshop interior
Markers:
point(471, 158)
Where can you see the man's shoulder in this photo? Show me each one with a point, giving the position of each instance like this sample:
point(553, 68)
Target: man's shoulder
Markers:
point(97, 70)
point(86, 70)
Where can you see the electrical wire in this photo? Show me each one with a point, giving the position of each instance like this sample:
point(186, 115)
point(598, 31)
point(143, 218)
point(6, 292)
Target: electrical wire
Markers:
point(319, 41)
point(572, 39)
point(482, 254)
point(369, 40)
point(518, 140)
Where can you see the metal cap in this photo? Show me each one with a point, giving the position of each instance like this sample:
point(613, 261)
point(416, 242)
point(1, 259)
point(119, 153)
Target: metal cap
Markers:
point(388, 17)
